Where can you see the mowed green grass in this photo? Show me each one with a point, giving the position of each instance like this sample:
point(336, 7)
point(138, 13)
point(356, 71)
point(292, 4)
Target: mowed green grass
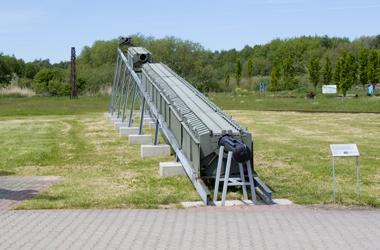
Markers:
point(268, 102)
point(293, 156)
point(101, 169)
point(71, 138)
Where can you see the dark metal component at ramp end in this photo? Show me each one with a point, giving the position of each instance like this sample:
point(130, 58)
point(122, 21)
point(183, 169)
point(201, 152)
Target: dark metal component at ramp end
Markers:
point(205, 192)
point(263, 191)
point(128, 41)
point(240, 152)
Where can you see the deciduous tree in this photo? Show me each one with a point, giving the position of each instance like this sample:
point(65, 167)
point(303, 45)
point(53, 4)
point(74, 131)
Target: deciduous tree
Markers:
point(250, 68)
point(314, 71)
point(337, 70)
point(327, 70)
point(347, 72)
point(288, 73)
point(373, 63)
point(275, 75)
point(238, 69)
point(363, 67)
point(227, 77)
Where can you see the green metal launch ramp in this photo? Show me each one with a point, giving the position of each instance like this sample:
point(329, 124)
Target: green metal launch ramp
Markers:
point(195, 127)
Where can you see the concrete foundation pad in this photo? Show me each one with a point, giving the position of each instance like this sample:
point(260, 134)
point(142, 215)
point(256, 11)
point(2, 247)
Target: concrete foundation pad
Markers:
point(140, 139)
point(147, 121)
point(249, 202)
point(108, 117)
point(155, 150)
point(125, 131)
point(118, 125)
point(152, 125)
point(282, 202)
point(146, 114)
point(171, 169)
point(113, 120)
point(193, 204)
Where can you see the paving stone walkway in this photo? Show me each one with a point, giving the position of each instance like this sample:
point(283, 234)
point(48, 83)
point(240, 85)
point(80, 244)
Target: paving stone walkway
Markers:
point(235, 227)
point(16, 189)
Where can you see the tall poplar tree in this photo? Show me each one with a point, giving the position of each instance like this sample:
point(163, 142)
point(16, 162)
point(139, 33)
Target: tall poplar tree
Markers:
point(347, 72)
point(373, 63)
point(250, 68)
point(327, 71)
point(288, 73)
point(275, 75)
point(238, 71)
point(363, 67)
point(227, 77)
point(337, 70)
point(314, 71)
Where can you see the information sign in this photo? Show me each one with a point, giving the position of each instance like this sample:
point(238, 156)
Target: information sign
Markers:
point(329, 89)
point(344, 150)
point(339, 150)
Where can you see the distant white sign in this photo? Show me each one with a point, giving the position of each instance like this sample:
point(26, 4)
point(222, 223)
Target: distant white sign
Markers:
point(329, 89)
point(344, 150)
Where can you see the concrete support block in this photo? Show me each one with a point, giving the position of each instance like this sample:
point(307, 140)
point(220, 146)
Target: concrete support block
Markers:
point(155, 150)
point(118, 125)
point(148, 120)
point(140, 139)
point(126, 131)
point(108, 117)
point(105, 114)
point(113, 120)
point(152, 125)
point(171, 169)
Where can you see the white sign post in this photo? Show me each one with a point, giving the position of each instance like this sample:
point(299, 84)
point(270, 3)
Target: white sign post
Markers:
point(342, 150)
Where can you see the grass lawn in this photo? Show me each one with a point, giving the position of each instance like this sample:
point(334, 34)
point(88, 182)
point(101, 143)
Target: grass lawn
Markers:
point(71, 138)
point(268, 101)
point(293, 157)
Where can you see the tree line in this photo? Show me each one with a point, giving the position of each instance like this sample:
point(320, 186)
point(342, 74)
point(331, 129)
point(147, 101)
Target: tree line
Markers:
point(301, 63)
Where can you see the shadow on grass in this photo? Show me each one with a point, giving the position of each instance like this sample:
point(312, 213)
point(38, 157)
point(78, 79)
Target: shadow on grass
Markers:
point(6, 173)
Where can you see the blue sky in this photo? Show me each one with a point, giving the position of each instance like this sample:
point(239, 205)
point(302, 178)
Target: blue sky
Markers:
point(47, 29)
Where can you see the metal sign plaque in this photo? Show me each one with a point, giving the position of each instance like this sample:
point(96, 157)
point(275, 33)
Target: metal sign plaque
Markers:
point(344, 150)
point(329, 89)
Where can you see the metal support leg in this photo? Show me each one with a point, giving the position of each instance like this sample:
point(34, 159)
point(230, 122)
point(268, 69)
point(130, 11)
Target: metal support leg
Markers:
point(357, 176)
point(226, 176)
point(233, 181)
point(243, 181)
point(156, 133)
point(121, 94)
point(142, 116)
point(132, 105)
point(251, 183)
point(333, 176)
point(115, 82)
point(218, 170)
point(126, 98)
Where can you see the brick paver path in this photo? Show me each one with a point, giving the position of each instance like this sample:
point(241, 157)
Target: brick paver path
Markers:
point(239, 227)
